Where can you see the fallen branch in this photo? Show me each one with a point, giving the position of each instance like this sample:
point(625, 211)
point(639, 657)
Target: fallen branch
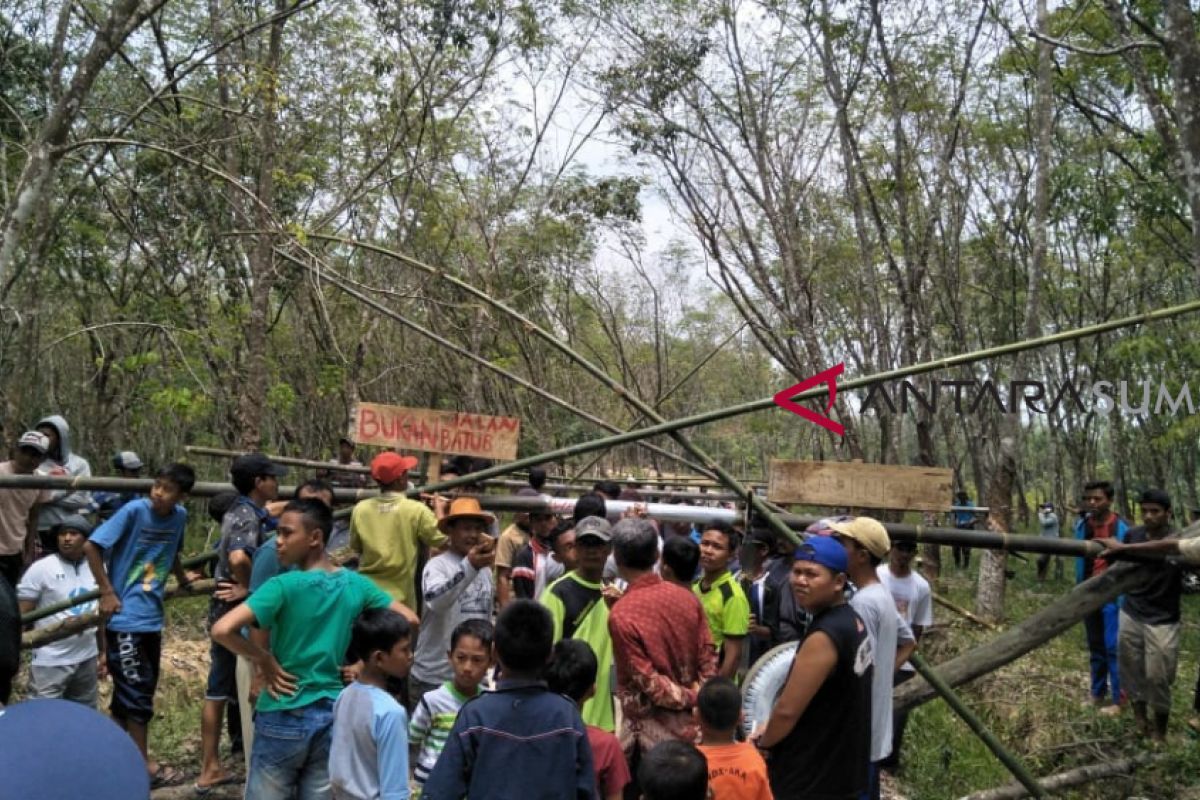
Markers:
point(944, 603)
point(1072, 777)
point(74, 625)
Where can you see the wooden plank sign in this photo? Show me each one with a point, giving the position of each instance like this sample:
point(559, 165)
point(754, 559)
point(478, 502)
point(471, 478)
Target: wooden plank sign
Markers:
point(433, 431)
point(837, 483)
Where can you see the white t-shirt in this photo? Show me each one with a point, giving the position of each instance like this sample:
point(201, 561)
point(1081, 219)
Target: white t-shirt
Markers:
point(51, 580)
point(914, 598)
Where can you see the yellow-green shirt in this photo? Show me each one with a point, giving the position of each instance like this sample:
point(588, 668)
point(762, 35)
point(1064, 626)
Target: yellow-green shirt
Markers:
point(726, 607)
point(579, 612)
point(385, 531)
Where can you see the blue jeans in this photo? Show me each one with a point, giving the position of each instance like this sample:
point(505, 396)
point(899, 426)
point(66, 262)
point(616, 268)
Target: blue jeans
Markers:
point(290, 759)
point(1102, 630)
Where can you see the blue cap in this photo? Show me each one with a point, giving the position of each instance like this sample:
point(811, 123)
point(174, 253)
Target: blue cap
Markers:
point(824, 550)
point(31, 730)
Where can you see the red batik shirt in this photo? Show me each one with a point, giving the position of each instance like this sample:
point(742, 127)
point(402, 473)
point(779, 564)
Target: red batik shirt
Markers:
point(663, 653)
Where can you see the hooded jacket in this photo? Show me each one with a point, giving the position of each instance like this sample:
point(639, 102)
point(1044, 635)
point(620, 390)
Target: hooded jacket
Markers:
point(63, 503)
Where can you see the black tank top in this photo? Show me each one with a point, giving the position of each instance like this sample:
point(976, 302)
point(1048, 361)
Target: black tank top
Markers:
point(826, 755)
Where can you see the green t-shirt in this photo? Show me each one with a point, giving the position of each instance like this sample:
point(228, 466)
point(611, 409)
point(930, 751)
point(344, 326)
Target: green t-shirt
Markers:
point(309, 615)
point(579, 612)
point(726, 607)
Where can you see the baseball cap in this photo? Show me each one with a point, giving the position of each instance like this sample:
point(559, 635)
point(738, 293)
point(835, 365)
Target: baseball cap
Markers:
point(127, 459)
point(72, 522)
point(34, 728)
point(824, 550)
point(389, 467)
point(35, 440)
point(597, 527)
point(868, 532)
point(255, 464)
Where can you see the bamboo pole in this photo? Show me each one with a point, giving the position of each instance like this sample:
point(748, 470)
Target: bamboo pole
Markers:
point(75, 625)
point(962, 612)
point(856, 383)
point(1010, 761)
point(708, 465)
point(309, 463)
point(539, 391)
point(1067, 779)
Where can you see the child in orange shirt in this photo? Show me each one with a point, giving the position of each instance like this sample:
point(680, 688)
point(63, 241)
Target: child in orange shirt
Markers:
point(736, 770)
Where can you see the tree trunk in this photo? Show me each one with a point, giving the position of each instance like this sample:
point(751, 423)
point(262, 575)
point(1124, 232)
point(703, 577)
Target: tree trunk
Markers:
point(1072, 777)
point(1183, 55)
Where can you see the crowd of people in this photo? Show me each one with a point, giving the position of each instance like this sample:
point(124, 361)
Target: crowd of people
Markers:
point(419, 651)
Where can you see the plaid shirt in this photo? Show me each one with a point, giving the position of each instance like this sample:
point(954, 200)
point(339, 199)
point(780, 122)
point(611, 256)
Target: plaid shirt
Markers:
point(663, 654)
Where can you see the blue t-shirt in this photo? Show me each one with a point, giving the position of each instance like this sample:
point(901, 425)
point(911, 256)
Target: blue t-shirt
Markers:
point(266, 564)
point(141, 548)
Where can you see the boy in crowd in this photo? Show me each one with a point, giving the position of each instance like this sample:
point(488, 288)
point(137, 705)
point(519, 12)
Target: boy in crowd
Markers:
point(1149, 628)
point(577, 606)
point(819, 732)
point(736, 770)
point(914, 602)
point(19, 507)
point(433, 717)
point(60, 461)
point(680, 560)
point(674, 770)
point(513, 540)
point(309, 612)
point(867, 544)
point(243, 528)
point(725, 604)
point(572, 672)
point(71, 667)
point(1101, 626)
point(142, 542)
point(368, 754)
point(456, 586)
point(521, 740)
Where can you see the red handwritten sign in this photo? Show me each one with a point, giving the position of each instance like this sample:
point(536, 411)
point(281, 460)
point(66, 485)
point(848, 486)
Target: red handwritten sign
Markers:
point(434, 431)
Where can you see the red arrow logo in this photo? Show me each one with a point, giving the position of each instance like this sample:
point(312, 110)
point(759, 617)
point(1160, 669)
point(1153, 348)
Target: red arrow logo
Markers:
point(829, 378)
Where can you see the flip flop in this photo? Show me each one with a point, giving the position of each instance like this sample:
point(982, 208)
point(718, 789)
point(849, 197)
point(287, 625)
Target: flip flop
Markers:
point(166, 776)
point(228, 780)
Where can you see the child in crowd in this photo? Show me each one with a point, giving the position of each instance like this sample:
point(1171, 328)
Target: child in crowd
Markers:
point(680, 560)
point(736, 771)
point(309, 613)
point(521, 740)
point(455, 586)
point(725, 604)
point(142, 542)
point(368, 755)
point(434, 715)
point(673, 770)
point(71, 667)
point(572, 672)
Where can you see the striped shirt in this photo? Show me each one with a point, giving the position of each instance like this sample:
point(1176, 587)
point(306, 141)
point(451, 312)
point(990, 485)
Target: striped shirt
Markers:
point(431, 722)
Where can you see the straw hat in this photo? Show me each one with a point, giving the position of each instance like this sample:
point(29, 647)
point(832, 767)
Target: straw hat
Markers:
point(466, 507)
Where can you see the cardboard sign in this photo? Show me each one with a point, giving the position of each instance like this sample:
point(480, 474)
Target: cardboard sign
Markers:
point(836, 483)
point(432, 431)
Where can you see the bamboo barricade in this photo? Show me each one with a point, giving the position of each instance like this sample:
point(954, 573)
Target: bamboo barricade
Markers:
point(672, 426)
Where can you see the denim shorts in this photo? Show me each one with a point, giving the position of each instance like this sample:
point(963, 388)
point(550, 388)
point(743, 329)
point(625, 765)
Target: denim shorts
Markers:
point(290, 759)
point(222, 674)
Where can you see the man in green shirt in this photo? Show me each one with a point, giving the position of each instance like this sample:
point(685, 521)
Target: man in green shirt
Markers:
point(309, 613)
point(725, 604)
point(387, 531)
point(578, 605)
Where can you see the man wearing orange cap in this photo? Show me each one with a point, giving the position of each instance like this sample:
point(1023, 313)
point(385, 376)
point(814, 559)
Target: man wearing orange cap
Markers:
point(387, 531)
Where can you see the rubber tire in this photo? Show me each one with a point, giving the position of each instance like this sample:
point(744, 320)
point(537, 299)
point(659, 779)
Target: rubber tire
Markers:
point(763, 683)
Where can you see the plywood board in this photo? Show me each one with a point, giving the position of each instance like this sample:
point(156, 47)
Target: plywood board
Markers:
point(837, 483)
point(433, 431)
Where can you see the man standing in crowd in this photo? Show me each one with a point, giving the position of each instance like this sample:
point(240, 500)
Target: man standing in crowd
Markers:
point(513, 540)
point(964, 519)
point(1048, 527)
point(661, 645)
point(60, 462)
point(1101, 626)
point(867, 544)
point(387, 531)
point(762, 595)
point(914, 601)
point(126, 464)
point(243, 528)
point(345, 458)
point(725, 604)
point(19, 507)
point(819, 731)
point(1148, 643)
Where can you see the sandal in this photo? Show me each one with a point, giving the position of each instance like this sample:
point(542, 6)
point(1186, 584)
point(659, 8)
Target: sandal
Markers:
point(166, 776)
point(228, 780)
